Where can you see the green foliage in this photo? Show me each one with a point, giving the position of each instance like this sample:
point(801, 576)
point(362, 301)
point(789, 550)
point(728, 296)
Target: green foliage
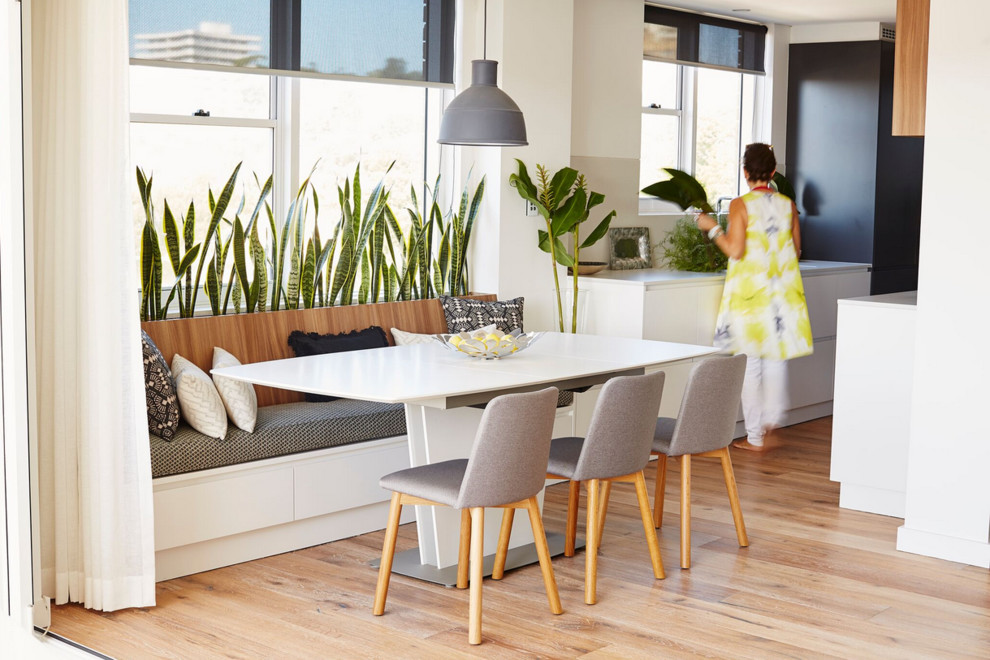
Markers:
point(783, 186)
point(681, 189)
point(564, 202)
point(687, 248)
point(243, 263)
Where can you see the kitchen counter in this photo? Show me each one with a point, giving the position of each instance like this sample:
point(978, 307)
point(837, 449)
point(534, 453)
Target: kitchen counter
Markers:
point(656, 276)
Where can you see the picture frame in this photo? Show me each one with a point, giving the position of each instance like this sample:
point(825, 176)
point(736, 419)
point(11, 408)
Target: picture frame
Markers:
point(629, 248)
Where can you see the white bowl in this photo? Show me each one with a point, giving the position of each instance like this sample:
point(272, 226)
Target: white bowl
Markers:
point(488, 346)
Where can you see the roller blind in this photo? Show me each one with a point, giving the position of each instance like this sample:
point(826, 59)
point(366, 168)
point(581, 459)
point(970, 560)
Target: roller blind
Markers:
point(686, 38)
point(391, 39)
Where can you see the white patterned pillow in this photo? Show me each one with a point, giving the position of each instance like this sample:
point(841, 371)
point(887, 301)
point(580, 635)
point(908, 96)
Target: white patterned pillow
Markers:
point(198, 399)
point(403, 338)
point(238, 397)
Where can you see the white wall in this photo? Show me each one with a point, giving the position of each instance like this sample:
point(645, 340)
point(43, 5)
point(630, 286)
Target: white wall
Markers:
point(948, 489)
point(532, 43)
point(605, 113)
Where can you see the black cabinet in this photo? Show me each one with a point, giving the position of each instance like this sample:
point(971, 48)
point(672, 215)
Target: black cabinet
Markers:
point(858, 188)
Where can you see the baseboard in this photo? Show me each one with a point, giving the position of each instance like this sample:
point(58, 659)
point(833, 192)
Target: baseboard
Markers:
point(871, 500)
point(795, 416)
point(216, 553)
point(950, 548)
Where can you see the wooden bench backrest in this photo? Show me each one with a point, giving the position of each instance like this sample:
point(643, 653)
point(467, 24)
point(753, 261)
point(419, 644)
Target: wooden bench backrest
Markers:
point(260, 337)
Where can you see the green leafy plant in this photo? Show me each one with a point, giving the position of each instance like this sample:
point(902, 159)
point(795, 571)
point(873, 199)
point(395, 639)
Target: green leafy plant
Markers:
point(562, 199)
point(255, 266)
point(684, 247)
point(681, 189)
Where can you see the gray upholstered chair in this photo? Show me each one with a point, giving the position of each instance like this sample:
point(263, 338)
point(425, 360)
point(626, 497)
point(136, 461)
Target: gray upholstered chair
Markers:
point(704, 428)
point(506, 469)
point(616, 448)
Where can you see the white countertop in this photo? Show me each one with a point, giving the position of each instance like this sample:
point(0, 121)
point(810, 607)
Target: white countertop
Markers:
point(430, 375)
point(901, 299)
point(650, 276)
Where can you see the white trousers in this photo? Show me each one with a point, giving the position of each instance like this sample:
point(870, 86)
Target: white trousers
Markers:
point(764, 396)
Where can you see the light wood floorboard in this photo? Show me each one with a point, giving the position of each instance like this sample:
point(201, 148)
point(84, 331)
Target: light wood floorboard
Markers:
point(816, 581)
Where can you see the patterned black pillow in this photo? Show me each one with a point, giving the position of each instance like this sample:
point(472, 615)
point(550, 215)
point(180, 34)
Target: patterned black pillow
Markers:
point(312, 343)
point(467, 314)
point(159, 391)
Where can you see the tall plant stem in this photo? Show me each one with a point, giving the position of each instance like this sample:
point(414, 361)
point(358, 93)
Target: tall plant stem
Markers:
point(556, 280)
point(574, 273)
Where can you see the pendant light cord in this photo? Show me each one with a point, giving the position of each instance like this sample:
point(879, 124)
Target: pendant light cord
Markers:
point(484, 47)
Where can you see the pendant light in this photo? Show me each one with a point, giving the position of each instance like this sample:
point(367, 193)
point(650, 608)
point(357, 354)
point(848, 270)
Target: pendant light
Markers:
point(483, 115)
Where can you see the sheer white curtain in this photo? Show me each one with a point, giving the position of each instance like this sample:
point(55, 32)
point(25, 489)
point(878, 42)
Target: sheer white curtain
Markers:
point(95, 473)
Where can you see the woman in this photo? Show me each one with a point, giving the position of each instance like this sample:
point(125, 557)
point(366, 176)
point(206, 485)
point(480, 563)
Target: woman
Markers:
point(763, 312)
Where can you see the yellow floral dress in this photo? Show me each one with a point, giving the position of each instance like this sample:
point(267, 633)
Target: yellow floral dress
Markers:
point(763, 311)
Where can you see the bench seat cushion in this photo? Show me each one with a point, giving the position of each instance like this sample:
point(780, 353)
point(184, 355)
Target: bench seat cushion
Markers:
point(282, 429)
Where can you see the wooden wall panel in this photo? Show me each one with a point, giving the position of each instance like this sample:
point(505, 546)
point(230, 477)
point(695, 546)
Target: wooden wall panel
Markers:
point(263, 336)
point(911, 67)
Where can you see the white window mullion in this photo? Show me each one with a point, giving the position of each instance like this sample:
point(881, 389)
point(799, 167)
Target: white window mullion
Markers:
point(689, 117)
point(286, 165)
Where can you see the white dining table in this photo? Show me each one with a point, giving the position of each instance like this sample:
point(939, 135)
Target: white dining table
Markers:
point(441, 390)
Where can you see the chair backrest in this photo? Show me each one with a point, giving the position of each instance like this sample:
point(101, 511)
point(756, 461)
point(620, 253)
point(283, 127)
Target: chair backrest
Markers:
point(508, 462)
point(710, 405)
point(620, 434)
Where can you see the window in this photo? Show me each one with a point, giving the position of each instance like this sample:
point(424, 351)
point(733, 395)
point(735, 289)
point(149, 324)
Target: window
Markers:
point(208, 91)
point(698, 116)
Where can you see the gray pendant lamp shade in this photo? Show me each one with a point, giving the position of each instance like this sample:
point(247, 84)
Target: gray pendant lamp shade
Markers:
point(483, 115)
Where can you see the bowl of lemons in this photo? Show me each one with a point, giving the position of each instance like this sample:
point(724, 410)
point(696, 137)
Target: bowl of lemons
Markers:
point(488, 344)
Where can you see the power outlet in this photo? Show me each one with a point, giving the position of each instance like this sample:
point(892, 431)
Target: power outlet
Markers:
point(531, 208)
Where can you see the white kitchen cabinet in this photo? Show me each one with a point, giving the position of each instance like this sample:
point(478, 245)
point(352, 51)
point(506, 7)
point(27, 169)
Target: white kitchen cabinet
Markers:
point(682, 307)
point(874, 376)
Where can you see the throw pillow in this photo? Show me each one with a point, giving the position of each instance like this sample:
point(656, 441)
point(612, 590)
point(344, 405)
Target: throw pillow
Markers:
point(312, 343)
point(199, 400)
point(160, 396)
point(239, 398)
point(467, 314)
point(403, 338)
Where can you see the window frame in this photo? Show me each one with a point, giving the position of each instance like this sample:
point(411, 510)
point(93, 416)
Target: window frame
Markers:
point(687, 113)
point(284, 122)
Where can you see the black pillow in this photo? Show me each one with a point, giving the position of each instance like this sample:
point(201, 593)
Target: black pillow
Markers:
point(160, 394)
point(467, 314)
point(312, 343)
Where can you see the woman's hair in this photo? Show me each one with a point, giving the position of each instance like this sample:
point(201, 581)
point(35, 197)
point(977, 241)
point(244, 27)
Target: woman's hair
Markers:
point(759, 161)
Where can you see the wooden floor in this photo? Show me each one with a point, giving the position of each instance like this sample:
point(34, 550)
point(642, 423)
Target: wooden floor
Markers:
point(816, 581)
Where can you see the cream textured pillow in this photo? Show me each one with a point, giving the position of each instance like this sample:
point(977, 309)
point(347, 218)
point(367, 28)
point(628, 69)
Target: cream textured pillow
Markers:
point(199, 401)
point(403, 338)
point(239, 398)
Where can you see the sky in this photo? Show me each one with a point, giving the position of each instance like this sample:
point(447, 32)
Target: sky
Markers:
point(338, 36)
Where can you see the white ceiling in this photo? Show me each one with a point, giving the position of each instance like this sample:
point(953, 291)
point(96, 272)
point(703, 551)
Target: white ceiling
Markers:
point(795, 12)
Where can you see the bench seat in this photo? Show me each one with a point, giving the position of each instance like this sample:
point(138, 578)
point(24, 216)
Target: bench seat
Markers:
point(283, 429)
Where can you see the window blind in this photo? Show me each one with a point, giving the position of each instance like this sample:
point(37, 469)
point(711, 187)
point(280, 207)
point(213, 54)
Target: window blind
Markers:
point(385, 39)
point(694, 39)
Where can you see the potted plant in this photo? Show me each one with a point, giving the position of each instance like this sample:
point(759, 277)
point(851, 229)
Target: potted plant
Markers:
point(565, 203)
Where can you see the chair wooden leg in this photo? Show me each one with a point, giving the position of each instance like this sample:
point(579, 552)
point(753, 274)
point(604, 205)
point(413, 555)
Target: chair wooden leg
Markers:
point(463, 554)
point(591, 549)
point(543, 552)
point(651, 533)
point(659, 490)
point(570, 536)
point(686, 511)
point(498, 570)
point(730, 486)
point(477, 557)
point(603, 508)
point(388, 552)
